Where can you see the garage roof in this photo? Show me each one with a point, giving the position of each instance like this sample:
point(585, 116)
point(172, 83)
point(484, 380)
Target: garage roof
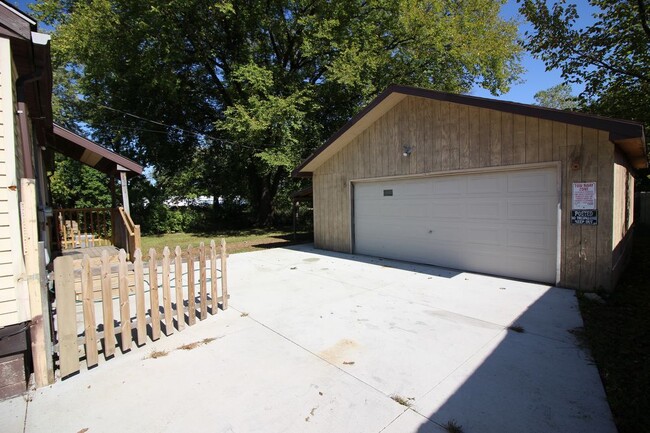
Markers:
point(628, 135)
point(81, 149)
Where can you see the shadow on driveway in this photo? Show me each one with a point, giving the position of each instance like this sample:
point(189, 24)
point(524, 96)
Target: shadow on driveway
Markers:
point(531, 379)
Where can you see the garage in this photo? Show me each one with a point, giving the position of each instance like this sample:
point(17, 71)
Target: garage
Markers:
point(480, 185)
point(502, 223)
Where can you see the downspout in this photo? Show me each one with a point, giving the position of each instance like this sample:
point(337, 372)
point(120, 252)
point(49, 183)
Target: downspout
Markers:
point(22, 119)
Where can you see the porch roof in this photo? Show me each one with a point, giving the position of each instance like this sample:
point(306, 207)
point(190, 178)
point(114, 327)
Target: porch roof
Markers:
point(81, 149)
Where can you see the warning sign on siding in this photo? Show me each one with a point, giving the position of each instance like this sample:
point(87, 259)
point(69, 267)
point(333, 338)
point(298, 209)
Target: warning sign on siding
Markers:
point(583, 204)
point(583, 196)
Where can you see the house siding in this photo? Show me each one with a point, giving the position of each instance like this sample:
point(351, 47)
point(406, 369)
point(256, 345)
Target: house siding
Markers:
point(14, 306)
point(447, 136)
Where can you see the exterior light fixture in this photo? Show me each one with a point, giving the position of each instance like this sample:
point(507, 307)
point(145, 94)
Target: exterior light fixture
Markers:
point(407, 151)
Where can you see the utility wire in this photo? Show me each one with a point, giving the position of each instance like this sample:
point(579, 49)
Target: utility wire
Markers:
point(200, 135)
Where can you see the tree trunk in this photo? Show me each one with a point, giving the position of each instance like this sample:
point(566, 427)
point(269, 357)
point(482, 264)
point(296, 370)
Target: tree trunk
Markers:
point(264, 189)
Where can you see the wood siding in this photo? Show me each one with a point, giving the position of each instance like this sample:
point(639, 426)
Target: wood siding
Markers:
point(447, 136)
point(14, 304)
point(623, 214)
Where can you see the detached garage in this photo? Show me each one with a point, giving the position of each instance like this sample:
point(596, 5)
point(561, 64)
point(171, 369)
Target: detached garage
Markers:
point(480, 185)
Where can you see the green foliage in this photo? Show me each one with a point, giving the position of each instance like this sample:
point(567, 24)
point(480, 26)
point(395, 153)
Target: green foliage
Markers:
point(242, 91)
point(610, 56)
point(74, 185)
point(558, 97)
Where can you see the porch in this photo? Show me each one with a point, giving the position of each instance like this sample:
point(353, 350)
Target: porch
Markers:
point(91, 231)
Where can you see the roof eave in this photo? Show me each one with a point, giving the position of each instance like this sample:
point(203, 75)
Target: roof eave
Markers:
point(103, 156)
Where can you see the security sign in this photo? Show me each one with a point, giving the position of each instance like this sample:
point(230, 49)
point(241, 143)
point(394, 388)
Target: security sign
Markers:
point(583, 196)
point(583, 204)
point(584, 217)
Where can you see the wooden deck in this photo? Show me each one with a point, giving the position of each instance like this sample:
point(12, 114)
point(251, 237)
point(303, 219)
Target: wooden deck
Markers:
point(92, 252)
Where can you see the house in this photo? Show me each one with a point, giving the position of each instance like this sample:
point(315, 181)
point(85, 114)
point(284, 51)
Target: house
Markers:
point(31, 231)
point(480, 185)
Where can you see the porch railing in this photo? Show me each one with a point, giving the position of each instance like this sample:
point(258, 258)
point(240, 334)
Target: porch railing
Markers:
point(84, 227)
point(126, 234)
point(96, 227)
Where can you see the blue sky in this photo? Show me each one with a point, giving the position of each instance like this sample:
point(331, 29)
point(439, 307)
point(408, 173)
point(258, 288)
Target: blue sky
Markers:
point(535, 78)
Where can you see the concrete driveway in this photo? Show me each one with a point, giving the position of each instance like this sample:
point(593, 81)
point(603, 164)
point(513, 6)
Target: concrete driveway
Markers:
point(324, 342)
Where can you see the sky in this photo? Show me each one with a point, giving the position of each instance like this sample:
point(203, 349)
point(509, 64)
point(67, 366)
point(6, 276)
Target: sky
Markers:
point(535, 77)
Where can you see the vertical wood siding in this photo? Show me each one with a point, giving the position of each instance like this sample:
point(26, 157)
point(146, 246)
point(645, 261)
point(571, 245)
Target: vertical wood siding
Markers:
point(446, 136)
point(623, 213)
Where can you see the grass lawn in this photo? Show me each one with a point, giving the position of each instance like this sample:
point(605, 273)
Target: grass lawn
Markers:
point(238, 241)
point(618, 333)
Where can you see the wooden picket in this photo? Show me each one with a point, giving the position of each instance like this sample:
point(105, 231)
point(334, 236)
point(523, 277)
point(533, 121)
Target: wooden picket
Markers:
point(133, 282)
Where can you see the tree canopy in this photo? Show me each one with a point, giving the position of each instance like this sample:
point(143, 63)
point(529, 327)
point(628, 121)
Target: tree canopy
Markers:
point(559, 97)
point(225, 98)
point(611, 56)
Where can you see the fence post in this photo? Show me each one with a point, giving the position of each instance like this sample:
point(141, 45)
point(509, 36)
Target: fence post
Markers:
point(213, 277)
point(140, 314)
point(107, 307)
point(178, 287)
point(167, 302)
point(153, 295)
point(47, 318)
point(33, 271)
point(125, 310)
point(224, 274)
point(89, 312)
point(191, 295)
point(202, 285)
point(66, 315)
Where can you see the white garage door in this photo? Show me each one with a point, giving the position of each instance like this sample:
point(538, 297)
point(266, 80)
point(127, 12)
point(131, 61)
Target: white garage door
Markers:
point(502, 223)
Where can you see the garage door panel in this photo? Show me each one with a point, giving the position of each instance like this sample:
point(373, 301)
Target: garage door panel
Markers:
point(484, 236)
point(529, 210)
point(449, 209)
point(445, 187)
point(485, 184)
point(531, 239)
point(531, 182)
point(499, 223)
point(484, 210)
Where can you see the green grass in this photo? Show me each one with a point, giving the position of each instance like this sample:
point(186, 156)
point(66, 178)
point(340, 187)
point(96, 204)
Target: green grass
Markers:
point(238, 240)
point(618, 333)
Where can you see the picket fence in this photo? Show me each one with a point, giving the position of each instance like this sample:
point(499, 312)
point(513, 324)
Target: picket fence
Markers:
point(88, 288)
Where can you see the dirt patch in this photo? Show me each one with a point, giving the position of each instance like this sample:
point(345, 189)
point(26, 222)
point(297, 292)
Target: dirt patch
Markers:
point(340, 351)
point(266, 243)
point(158, 354)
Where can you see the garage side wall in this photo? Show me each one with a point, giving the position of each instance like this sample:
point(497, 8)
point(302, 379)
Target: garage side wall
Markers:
point(447, 137)
point(623, 215)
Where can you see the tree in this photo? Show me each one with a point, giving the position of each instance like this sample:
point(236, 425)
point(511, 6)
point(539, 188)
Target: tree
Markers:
point(611, 56)
point(74, 185)
point(558, 97)
point(240, 92)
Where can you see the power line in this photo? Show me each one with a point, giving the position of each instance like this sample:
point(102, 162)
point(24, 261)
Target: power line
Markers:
point(200, 135)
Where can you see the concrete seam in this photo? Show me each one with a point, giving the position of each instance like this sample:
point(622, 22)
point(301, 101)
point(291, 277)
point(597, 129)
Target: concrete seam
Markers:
point(315, 355)
point(27, 400)
point(456, 369)
point(393, 420)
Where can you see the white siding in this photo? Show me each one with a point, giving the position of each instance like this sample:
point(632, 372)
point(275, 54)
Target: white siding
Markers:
point(14, 302)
